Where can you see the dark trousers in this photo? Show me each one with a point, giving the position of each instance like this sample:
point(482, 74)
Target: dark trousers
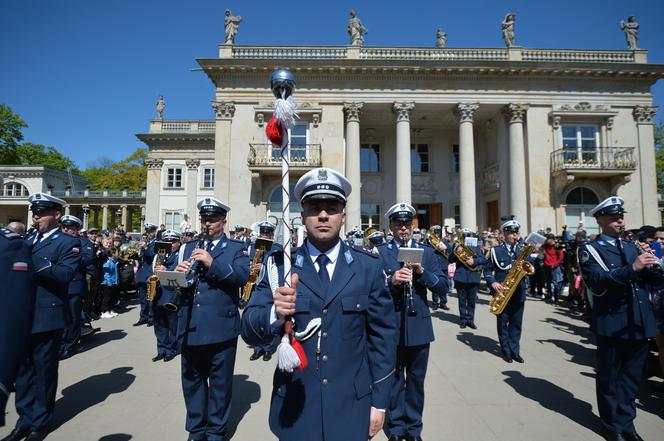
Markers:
point(72, 333)
point(467, 293)
point(146, 307)
point(165, 329)
point(509, 327)
point(441, 299)
point(407, 399)
point(619, 367)
point(37, 381)
point(207, 381)
point(108, 295)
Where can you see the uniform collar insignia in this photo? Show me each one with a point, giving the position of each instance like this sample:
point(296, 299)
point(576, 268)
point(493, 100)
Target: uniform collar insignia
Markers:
point(601, 242)
point(223, 244)
point(389, 245)
point(55, 236)
point(349, 257)
point(299, 260)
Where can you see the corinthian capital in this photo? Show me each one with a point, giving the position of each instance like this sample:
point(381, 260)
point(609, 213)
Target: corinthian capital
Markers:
point(192, 164)
point(353, 111)
point(515, 113)
point(223, 109)
point(402, 110)
point(465, 112)
point(153, 164)
point(644, 114)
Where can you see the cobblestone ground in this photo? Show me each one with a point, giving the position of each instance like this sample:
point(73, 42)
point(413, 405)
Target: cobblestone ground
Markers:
point(112, 391)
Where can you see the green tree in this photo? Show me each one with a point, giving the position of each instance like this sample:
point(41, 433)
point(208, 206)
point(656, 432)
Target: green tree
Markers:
point(37, 154)
point(129, 173)
point(11, 125)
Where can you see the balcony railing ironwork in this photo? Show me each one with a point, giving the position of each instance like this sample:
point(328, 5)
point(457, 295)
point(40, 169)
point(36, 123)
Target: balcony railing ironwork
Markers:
point(597, 158)
point(301, 155)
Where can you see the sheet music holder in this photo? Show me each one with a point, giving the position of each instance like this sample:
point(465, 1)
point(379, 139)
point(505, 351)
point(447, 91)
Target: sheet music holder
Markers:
point(172, 279)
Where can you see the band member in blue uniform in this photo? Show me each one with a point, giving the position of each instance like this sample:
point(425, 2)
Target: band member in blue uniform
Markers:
point(343, 319)
point(71, 225)
point(265, 231)
point(56, 258)
point(467, 279)
point(622, 315)
point(17, 300)
point(209, 323)
point(165, 320)
point(408, 286)
point(441, 251)
point(145, 258)
point(510, 321)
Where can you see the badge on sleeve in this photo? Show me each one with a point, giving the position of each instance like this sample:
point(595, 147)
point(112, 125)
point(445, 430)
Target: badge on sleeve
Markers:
point(20, 266)
point(583, 256)
point(76, 250)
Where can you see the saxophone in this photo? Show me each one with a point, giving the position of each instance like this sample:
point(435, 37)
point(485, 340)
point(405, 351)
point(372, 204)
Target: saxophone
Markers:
point(151, 294)
point(262, 246)
point(520, 269)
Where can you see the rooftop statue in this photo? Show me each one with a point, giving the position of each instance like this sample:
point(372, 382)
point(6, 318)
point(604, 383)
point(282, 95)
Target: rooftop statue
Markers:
point(631, 30)
point(441, 38)
point(356, 29)
point(232, 23)
point(161, 105)
point(508, 29)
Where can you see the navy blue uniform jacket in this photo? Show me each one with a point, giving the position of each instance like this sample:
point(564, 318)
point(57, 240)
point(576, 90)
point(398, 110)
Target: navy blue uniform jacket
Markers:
point(17, 299)
point(353, 369)
point(414, 330)
point(209, 312)
point(57, 259)
point(622, 307)
point(499, 266)
point(145, 262)
point(78, 284)
point(463, 274)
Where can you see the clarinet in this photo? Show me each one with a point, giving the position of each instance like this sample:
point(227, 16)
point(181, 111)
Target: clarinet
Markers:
point(408, 297)
point(653, 266)
point(194, 264)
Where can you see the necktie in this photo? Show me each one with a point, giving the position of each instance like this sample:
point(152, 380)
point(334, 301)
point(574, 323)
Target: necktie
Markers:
point(38, 239)
point(323, 275)
point(209, 246)
point(622, 252)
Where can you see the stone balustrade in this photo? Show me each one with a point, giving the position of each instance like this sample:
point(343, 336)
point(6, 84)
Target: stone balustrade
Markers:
point(181, 126)
point(265, 155)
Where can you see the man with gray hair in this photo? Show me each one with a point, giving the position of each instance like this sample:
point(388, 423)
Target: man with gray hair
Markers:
point(17, 227)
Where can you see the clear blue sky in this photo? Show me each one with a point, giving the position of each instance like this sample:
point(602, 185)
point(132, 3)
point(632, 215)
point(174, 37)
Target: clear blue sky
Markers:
point(85, 74)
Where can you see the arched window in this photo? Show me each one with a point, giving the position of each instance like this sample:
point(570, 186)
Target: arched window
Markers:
point(579, 202)
point(582, 196)
point(15, 190)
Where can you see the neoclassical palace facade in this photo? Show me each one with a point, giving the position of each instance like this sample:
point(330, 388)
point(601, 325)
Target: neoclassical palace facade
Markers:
point(465, 135)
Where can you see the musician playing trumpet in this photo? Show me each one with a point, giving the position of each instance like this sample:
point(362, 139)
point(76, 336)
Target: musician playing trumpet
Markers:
point(619, 278)
point(166, 321)
point(209, 322)
point(404, 417)
point(467, 277)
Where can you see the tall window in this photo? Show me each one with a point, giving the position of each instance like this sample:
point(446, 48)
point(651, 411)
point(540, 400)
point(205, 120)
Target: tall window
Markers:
point(14, 189)
point(580, 142)
point(455, 158)
point(174, 178)
point(208, 177)
point(172, 220)
point(369, 216)
point(298, 143)
point(419, 158)
point(370, 158)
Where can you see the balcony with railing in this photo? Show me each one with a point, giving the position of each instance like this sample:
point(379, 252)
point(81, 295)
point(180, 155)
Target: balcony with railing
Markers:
point(181, 126)
point(596, 161)
point(268, 158)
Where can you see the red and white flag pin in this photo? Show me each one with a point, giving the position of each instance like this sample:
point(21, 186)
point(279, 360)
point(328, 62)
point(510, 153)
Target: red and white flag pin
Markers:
point(20, 266)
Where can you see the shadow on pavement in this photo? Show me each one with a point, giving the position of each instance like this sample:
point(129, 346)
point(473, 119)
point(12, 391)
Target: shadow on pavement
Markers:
point(554, 398)
point(570, 328)
point(89, 392)
point(116, 437)
point(245, 393)
point(479, 343)
point(579, 354)
point(445, 316)
point(651, 398)
point(101, 338)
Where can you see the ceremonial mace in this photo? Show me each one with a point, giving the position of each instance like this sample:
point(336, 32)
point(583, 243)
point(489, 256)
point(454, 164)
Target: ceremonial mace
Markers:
point(290, 353)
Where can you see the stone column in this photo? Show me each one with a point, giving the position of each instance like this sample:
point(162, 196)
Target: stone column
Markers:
point(67, 210)
point(104, 216)
point(192, 188)
point(465, 113)
point(124, 216)
point(223, 112)
point(86, 218)
point(95, 217)
point(153, 193)
point(515, 114)
point(403, 171)
point(643, 116)
point(353, 205)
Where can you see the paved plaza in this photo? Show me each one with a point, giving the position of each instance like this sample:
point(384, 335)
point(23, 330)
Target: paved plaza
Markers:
point(112, 391)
